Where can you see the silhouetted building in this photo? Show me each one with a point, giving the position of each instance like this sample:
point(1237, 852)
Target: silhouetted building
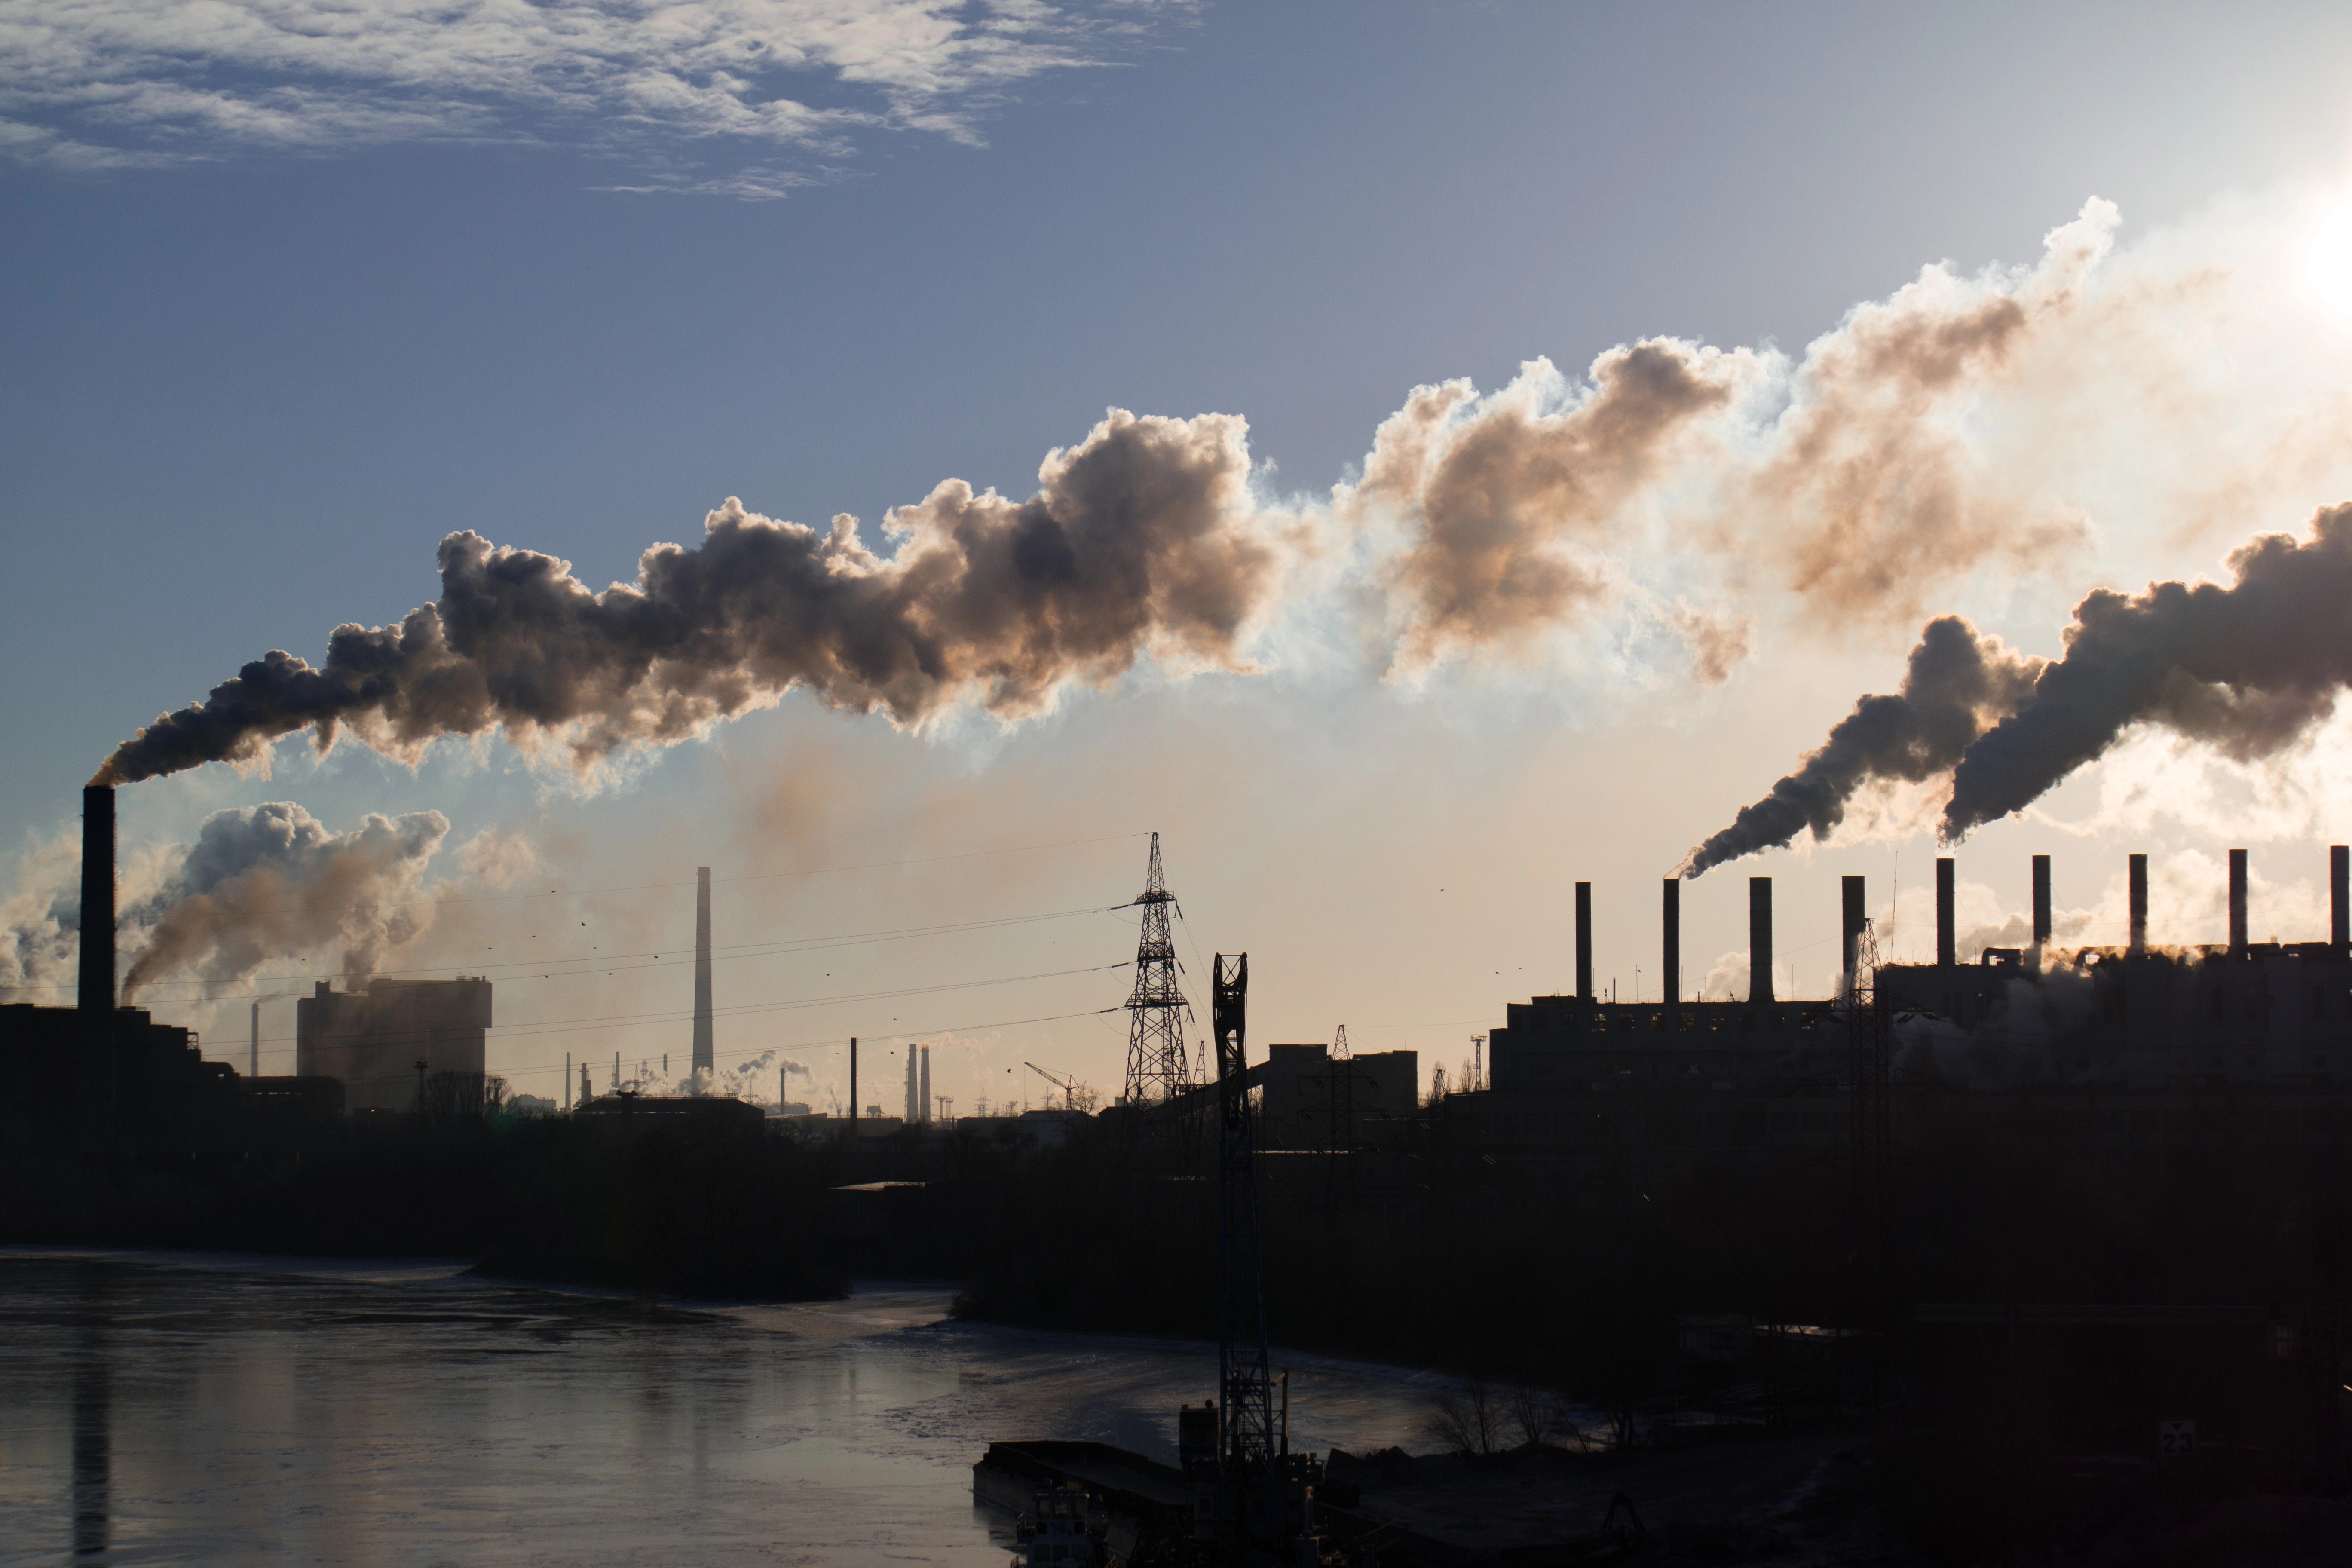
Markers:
point(2241, 1044)
point(373, 1039)
point(1309, 1094)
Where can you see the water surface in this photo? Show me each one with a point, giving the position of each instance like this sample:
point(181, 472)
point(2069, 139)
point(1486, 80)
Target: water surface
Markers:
point(175, 1408)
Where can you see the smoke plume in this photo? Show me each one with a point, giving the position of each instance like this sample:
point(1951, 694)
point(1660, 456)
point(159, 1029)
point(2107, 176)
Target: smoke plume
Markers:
point(1497, 495)
point(1141, 538)
point(1957, 683)
point(272, 881)
point(2249, 669)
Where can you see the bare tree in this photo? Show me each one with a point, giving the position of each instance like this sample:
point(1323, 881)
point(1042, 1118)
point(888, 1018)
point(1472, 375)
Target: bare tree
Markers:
point(1468, 1419)
point(1536, 1413)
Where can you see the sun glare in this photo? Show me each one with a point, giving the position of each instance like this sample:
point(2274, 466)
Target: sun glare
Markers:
point(2328, 266)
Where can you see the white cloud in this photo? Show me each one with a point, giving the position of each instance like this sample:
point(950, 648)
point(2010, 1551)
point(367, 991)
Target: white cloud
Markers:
point(99, 83)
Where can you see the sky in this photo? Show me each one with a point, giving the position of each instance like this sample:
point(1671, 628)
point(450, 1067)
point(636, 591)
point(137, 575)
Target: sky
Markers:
point(293, 291)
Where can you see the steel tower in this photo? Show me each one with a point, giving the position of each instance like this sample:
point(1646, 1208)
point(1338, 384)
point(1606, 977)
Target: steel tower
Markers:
point(1156, 1066)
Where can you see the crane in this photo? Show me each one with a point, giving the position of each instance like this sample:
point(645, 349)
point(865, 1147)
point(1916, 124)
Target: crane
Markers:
point(1068, 1086)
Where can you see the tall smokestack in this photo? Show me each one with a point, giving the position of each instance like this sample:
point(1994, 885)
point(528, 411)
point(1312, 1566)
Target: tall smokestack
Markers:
point(1584, 942)
point(914, 1106)
point(1947, 940)
point(1672, 974)
point(2339, 896)
point(253, 1061)
point(1855, 902)
point(2139, 903)
point(96, 997)
point(925, 1107)
point(2041, 905)
point(853, 1078)
point(1759, 939)
point(703, 1059)
point(2237, 904)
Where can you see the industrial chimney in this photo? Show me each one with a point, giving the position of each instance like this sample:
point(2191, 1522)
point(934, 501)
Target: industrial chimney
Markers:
point(1584, 942)
point(1947, 953)
point(1672, 975)
point(1759, 939)
point(2237, 904)
point(1850, 950)
point(2339, 896)
point(96, 996)
point(2041, 906)
point(703, 1059)
point(924, 1110)
point(2138, 868)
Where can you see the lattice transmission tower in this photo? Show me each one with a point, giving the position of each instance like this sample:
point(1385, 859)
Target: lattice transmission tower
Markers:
point(1156, 1068)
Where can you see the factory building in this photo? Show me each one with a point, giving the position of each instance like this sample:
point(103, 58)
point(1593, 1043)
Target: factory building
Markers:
point(1307, 1094)
point(2133, 1046)
point(385, 1040)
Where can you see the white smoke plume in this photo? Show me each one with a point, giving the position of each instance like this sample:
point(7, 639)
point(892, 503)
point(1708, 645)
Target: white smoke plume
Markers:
point(754, 1080)
point(1958, 683)
point(271, 881)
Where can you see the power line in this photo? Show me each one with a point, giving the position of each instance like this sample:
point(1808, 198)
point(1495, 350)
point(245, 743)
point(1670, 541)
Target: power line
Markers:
point(777, 947)
point(672, 1016)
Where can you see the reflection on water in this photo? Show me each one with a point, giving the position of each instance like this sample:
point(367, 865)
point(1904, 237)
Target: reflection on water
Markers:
point(91, 1448)
point(181, 1409)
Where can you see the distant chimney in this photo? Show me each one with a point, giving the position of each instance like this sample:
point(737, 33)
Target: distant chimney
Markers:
point(2139, 903)
point(2041, 903)
point(1855, 900)
point(96, 996)
point(853, 1078)
point(2237, 904)
point(1671, 976)
point(1584, 942)
point(703, 1056)
point(2339, 895)
point(914, 1105)
point(253, 1062)
point(924, 1110)
point(1759, 939)
point(1947, 951)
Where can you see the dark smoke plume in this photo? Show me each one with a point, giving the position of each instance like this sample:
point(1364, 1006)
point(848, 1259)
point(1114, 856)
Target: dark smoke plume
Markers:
point(1957, 683)
point(1139, 540)
point(2249, 669)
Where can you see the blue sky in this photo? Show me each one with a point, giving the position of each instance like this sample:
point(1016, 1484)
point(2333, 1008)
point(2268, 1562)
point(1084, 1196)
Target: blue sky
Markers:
point(278, 318)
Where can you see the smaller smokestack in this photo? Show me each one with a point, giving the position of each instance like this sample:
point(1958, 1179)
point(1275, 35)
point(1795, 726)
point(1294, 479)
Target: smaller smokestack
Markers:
point(2041, 905)
point(1947, 951)
point(567, 1080)
point(783, 1088)
point(705, 1059)
point(853, 1078)
point(2237, 904)
point(2138, 904)
point(253, 1061)
point(926, 1115)
point(95, 997)
point(2339, 897)
point(914, 1106)
point(1855, 902)
point(1584, 942)
point(1759, 939)
point(1670, 979)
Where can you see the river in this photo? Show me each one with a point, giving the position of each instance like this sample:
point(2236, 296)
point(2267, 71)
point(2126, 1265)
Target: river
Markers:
point(191, 1407)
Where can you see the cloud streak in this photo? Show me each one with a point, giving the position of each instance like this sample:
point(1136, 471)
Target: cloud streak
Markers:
point(98, 83)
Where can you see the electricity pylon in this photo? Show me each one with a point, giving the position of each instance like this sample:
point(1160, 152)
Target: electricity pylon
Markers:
point(1157, 1070)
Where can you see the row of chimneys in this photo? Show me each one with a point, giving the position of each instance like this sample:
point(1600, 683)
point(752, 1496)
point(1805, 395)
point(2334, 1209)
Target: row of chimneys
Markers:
point(1759, 920)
